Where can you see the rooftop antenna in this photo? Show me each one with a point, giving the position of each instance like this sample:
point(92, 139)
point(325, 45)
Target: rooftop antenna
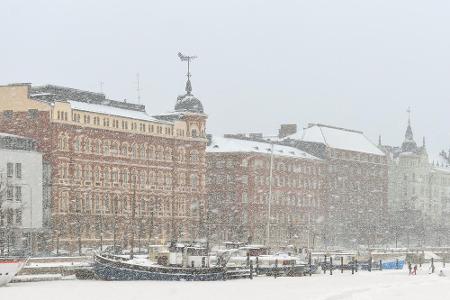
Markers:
point(101, 86)
point(138, 89)
point(188, 59)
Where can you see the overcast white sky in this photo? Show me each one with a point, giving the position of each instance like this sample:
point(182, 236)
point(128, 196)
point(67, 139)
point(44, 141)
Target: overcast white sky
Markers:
point(356, 64)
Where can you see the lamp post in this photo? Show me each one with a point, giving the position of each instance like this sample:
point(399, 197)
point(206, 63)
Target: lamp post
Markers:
point(270, 193)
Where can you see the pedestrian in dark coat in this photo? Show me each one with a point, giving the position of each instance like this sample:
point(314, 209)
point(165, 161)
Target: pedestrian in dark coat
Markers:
point(415, 270)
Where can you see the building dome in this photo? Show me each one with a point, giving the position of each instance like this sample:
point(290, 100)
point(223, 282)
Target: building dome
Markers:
point(189, 102)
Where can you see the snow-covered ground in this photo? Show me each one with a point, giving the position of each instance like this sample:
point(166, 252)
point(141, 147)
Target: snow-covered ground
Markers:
point(363, 285)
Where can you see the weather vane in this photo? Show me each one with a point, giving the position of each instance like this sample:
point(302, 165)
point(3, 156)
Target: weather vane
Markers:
point(188, 59)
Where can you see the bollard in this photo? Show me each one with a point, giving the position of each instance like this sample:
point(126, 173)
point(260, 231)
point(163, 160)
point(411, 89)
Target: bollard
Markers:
point(257, 265)
point(309, 262)
point(331, 265)
point(325, 265)
point(432, 265)
point(275, 269)
point(342, 264)
point(381, 265)
point(251, 269)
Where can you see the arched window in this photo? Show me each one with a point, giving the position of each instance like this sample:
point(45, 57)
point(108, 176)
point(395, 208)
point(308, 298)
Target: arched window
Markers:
point(63, 142)
point(168, 154)
point(115, 148)
point(77, 144)
point(194, 181)
point(159, 153)
point(160, 178)
point(151, 152)
point(106, 150)
point(87, 145)
point(142, 152)
point(97, 174)
point(194, 156)
point(152, 178)
point(106, 175)
point(142, 177)
point(115, 175)
point(181, 154)
point(87, 173)
point(96, 147)
point(106, 203)
point(133, 151)
point(124, 149)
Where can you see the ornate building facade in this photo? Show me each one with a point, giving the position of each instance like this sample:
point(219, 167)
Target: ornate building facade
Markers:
point(118, 174)
point(239, 186)
point(419, 194)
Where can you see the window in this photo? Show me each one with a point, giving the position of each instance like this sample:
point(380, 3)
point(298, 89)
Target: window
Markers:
point(18, 194)
point(194, 156)
point(10, 169)
point(18, 217)
point(18, 170)
point(77, 144)
point(194, 181)
point(9, 193)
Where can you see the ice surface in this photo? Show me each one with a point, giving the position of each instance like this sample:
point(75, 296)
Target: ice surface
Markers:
point(384, 285)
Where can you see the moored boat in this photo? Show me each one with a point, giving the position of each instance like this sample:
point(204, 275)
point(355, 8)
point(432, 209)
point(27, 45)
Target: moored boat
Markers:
point(188, 263)
point(9, 267)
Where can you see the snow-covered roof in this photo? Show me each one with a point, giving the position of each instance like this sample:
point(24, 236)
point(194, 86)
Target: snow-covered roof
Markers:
point(339, 138)
point(3, 134)
point(222, 144)
point(113, 111)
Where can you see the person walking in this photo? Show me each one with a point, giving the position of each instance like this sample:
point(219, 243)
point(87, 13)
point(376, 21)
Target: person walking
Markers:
point(409, 268)
point(415, 270)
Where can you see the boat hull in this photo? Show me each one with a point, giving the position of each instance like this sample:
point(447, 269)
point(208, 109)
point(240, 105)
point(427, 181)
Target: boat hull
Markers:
point(108, 268)
point(9, 267)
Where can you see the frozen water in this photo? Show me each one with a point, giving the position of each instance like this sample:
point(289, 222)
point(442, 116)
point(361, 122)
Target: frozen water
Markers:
point(363, 285)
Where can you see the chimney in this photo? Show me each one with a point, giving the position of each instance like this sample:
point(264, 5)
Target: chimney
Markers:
point(209, 139)
point(287, 130)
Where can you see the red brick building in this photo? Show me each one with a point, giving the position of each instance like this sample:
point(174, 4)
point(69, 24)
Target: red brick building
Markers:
point(117, 174)
point(356, 183)
point(238, 184)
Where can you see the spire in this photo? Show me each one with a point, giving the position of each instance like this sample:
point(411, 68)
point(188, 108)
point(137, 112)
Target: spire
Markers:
point(188, 86)
point(409, 145)
point(379, 140)
point(409, 134)
point(423, 142)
